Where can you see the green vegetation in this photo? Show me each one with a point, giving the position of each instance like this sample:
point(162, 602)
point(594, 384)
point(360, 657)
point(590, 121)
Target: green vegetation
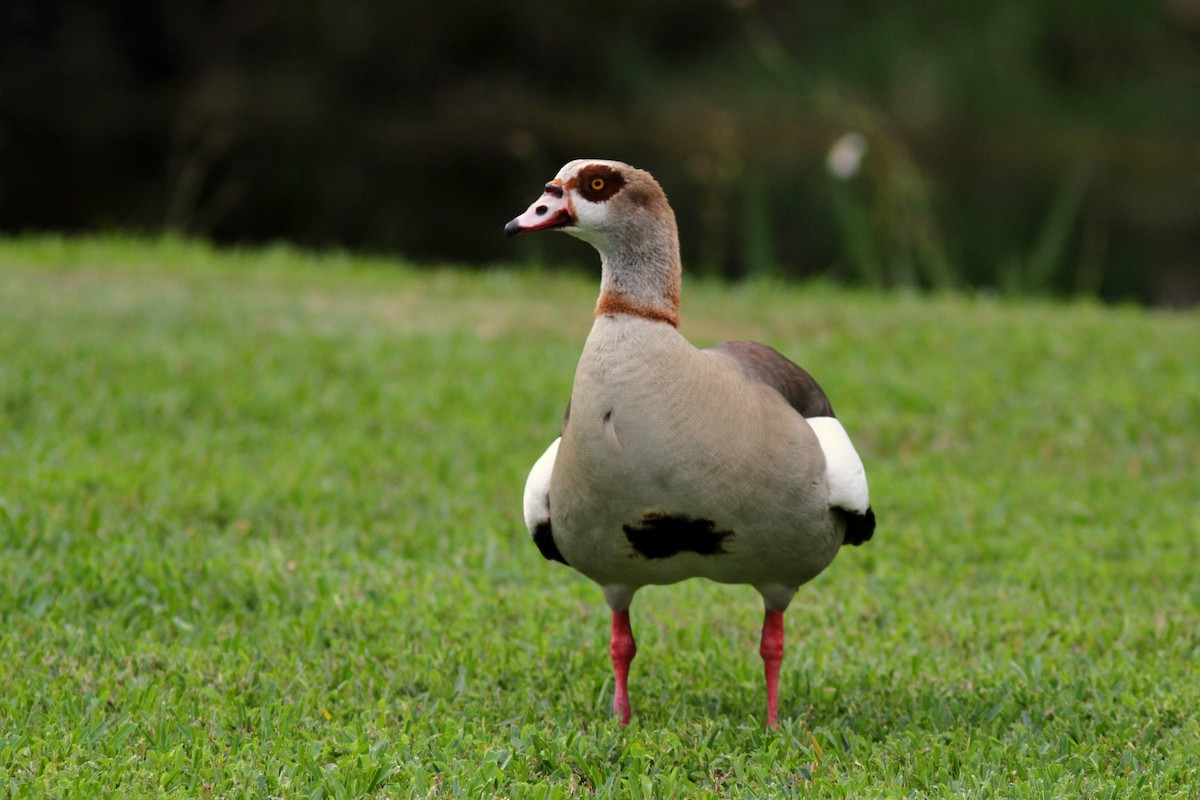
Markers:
point(260, 537)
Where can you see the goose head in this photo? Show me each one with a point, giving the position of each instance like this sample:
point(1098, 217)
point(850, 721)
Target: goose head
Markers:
point(594, 198)
point(623, 213)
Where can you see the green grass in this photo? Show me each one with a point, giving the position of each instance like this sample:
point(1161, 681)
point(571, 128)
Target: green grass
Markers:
point(261, 537)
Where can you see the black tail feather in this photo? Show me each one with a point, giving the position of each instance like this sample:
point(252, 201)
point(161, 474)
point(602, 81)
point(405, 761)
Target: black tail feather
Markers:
point(544, 539)
point(859, 527)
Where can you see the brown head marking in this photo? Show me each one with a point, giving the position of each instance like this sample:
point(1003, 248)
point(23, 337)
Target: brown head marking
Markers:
point(598, 182)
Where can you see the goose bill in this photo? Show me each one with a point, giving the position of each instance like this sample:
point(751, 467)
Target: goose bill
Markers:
point(551, 210)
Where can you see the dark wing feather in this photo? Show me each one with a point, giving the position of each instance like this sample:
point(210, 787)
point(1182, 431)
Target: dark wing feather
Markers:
point(765, 364)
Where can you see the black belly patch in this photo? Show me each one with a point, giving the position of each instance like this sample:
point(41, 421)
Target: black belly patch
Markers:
point(665, 535)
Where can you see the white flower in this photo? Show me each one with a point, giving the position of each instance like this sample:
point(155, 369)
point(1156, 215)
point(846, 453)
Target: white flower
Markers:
point(846, 155)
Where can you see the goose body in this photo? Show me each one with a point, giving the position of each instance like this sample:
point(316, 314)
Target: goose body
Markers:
point(675, 462)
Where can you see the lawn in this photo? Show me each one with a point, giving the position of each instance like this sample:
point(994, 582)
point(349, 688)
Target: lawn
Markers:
point(260, 536)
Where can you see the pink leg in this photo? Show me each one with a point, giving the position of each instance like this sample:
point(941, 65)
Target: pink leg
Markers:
point(771, 650)
point(622, 649)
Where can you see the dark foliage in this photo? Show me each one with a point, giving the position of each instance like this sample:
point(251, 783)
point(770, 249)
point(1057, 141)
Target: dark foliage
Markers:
point(1027, 146)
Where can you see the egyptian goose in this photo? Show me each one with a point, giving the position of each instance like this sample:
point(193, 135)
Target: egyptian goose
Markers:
point(725, 463)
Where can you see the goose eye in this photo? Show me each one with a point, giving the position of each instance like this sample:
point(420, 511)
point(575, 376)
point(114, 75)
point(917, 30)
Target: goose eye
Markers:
point(597, 184)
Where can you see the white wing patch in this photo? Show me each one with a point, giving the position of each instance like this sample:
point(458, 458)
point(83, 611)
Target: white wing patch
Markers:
point(537, 487)
point(843, 468)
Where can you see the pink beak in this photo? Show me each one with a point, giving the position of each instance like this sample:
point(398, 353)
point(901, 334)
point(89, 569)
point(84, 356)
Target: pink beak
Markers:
point(551, 210)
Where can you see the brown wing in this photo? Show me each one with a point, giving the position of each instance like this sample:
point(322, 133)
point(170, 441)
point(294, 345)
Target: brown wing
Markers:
point(765, 364)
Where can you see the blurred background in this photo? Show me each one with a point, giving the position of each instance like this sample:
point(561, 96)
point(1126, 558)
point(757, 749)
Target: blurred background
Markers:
point(1025, 147)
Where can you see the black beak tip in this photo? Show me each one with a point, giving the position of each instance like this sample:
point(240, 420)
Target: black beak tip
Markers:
point(512, 228)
